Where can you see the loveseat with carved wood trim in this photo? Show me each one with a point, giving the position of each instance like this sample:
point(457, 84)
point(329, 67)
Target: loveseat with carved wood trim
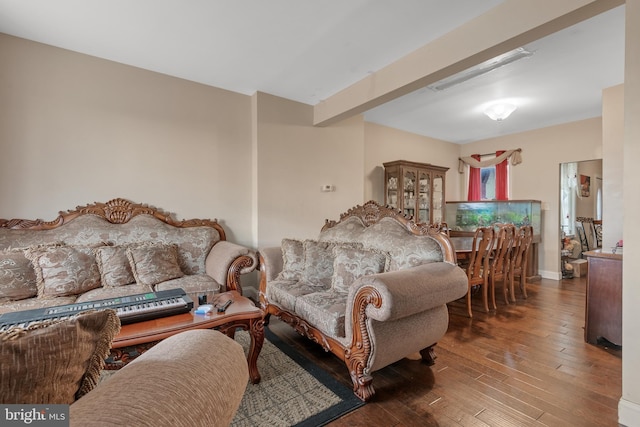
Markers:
point(372, 289)
point(114, 249)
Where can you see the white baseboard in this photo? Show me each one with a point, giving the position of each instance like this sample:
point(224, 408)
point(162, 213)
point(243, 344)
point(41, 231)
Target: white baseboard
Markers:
point(628, 413)
point(553, 275)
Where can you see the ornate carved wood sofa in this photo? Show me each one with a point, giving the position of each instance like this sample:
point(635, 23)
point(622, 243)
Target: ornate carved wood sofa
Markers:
point(372, 289)
point(118, 248)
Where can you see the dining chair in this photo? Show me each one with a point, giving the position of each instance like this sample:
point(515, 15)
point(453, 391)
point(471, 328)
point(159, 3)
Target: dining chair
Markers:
point(519, 258)
point(586, 233)
point(478, 268)
point(501, 260)
point(597, 232)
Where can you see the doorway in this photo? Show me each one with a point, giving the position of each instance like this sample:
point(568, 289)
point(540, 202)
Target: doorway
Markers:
point(580, 197)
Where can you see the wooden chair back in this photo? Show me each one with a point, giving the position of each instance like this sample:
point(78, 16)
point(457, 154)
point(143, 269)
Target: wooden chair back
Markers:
point(501, 260)
point(502, 254)
point(478, 268)
point(520, 256)
point(481, 248)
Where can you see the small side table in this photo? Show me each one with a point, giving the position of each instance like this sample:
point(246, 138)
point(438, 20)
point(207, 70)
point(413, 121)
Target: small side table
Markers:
point(136, 338)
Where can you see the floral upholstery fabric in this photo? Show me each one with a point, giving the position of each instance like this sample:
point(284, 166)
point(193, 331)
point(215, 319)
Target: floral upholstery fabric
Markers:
point(33, 303)
point(194, 243)
point(351, 263)
point(285, 292)
point(114, 266)
point(324, 310)
point(194, 285)
point(154, 263)
point(17, 276)
point(406, 250)
point(64, 270)
point(350, 230)
point(318, 262)
point(113, 292)
point(293, 260)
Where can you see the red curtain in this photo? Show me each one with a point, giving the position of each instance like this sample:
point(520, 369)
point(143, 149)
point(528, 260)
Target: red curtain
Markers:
point(474, 182)
point(502, 178)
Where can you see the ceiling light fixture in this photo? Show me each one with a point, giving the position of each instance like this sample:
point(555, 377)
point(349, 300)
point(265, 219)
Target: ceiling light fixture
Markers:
point(482, 68)
point(500, 111)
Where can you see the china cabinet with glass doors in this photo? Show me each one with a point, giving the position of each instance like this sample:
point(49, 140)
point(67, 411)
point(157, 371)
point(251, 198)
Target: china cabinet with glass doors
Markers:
point(416, 189)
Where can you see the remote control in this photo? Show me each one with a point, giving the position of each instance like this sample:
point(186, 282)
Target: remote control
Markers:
point(223, 308)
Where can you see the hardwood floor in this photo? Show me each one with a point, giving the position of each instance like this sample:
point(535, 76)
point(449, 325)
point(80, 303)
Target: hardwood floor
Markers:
point(526, 364)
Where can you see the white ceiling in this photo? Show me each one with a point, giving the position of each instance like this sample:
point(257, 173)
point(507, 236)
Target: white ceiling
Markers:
point(308, 50)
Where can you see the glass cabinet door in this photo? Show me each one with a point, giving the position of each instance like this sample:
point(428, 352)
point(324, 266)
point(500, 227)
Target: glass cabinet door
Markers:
point(438, 199)
point(392, 189)
point(409, 192)
point(424, 197)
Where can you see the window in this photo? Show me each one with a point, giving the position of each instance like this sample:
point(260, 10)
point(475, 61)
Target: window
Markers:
point(488, 183)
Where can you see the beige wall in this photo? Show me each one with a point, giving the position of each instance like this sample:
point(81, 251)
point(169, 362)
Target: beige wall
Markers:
point(295, 159)
point(629, 408)
point(76, 129)
point(384, 144)
point(612, 164)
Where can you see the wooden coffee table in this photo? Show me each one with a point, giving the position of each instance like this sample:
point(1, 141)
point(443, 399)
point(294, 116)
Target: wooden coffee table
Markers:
point(135, 338)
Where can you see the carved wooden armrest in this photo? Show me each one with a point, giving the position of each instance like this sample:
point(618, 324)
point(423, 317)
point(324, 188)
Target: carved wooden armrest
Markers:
point(227, 261)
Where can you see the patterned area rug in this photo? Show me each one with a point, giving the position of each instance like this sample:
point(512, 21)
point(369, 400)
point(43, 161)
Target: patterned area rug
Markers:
point(292, 392)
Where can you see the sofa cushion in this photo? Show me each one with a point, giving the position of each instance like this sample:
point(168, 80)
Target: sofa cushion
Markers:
point(113, 292)
point(318, 262)
point(292, 260)
point(114, 266)
point(406, 249)
point(325, 310)
point(55, 361)
point(285, 292)
point(154, 263)
point(194, 285)
point(37, 303)
point(64, 270)
point(352, 262)
point(17, 276)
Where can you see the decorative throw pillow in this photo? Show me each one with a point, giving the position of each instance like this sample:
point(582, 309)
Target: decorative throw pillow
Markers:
point(17, 276)
point(318, 262)
point(64, 270)
point(351, 262)
point(293, 260)
point(55, 361)
point(154, 263)
point(114, 266)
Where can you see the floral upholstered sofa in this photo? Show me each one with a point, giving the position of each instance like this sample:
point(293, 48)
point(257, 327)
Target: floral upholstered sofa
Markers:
point(372, 289)
point(114, 249)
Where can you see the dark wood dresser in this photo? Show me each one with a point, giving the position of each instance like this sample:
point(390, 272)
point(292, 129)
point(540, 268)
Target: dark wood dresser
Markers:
point(603, 313)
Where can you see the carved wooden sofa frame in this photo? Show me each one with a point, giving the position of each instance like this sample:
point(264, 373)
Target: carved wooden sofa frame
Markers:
point(357, 352)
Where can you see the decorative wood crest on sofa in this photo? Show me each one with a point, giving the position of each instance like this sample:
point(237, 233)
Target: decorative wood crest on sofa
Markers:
point(116, 211)
point(372, 212)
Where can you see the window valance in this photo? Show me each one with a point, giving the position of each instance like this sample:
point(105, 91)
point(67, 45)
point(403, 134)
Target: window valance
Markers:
point(515, 155)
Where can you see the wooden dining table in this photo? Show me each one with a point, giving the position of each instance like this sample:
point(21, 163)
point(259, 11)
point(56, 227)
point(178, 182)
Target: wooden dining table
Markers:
point(463, 247)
